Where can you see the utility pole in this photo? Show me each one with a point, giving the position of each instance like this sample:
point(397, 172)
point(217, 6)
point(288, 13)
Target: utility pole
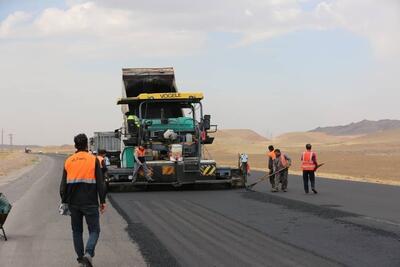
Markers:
point(11, 139)
point(2, 138)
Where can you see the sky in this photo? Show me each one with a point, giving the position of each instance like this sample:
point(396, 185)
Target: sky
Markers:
point(273, 66)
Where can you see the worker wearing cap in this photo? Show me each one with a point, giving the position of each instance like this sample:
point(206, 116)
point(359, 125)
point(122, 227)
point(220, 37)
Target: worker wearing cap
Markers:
point(309, 166)
point(281, 165)
point(271, 156)
point(140, 158)
point(82, 186)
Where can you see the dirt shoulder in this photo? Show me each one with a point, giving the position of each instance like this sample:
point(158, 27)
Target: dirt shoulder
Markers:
point(374, 162)
point(14, 161)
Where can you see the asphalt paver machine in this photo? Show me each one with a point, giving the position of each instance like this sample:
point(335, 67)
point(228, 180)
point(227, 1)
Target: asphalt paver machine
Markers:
point(173, 128)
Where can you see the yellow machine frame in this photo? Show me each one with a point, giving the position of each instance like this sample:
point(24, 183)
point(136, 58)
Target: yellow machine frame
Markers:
point(163, 96)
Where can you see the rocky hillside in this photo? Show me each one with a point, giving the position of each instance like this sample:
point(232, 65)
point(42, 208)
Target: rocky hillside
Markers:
point(360, 128)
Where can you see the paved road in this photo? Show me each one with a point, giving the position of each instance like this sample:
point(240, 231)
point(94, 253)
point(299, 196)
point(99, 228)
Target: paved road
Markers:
point(353, 224)
point(39, 236)
point(377, 201)
point(348, 224)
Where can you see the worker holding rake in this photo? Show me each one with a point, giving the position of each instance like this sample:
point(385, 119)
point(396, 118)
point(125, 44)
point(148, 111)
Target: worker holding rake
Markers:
point(281, 166)
point(309, 165)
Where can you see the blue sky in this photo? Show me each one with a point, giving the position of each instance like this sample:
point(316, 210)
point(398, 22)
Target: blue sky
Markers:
point(8, 7)
point(271, 66)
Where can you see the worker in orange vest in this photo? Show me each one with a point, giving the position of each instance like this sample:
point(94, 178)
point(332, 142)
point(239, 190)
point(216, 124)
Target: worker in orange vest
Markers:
point(281, 167)
point(82, 186)
point(309, 166)
point(101, 156)
point(271, 156)
point(140, 158)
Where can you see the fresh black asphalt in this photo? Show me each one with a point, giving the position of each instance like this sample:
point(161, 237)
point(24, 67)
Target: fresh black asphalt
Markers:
point(347, 223)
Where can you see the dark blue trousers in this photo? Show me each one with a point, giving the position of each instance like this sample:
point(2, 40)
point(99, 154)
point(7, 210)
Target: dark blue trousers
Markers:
point(308, 176)
point(91, 214)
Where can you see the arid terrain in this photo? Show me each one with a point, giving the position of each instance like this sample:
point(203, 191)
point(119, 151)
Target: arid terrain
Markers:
point(14, 160)
point(373, 157)
point(64, 149)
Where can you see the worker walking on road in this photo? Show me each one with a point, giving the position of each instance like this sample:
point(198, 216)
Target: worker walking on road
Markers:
point(140, 163)
point(309, 165)
point(281, 166)
point(104, 161)
point(271, 156)
point(244, 166)
point(82, 186)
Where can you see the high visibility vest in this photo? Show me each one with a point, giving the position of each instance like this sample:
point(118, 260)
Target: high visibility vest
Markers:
point(80, 168)
point(135, 119)
point(140, 153)
point(101, 160)
point(283, 160)
point(272, 155)
point(307, 163)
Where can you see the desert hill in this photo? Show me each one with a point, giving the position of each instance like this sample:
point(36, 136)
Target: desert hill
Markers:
point(360, 128)
point(383, 137)
point(370, 157)
point(238, 135)
point(316, 138)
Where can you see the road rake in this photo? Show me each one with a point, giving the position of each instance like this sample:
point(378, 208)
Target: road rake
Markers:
point(250, 186)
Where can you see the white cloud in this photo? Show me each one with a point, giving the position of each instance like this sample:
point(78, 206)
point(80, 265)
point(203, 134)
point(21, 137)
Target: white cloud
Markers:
point(248, 12)
point(67, 55)
point(378, 21)
point(149, 27)
point(8, 25)
point(88, 28)
point(179, 27)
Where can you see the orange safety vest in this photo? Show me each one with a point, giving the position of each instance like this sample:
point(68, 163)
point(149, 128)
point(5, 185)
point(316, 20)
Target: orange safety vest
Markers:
point(272, 155)
point(80, 168)
point(140, 153)
point(307, 162)
point(101, 160)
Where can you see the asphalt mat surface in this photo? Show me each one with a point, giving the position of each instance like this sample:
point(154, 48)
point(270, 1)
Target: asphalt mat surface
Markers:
point(346, 224)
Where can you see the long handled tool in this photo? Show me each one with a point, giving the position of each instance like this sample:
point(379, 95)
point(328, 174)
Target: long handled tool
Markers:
point(319, 165)
point(250, 186)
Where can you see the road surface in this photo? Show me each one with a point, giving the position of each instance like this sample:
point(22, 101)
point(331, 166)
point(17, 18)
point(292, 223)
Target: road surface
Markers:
point(39, 236)
point(347, 224)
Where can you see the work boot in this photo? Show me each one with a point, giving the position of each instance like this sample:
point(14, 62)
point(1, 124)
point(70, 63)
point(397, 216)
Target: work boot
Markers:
point(284, 189)
point(132, 178)
point(274, 190)
point(80, 262)
point(87, 260)
point(315, 191)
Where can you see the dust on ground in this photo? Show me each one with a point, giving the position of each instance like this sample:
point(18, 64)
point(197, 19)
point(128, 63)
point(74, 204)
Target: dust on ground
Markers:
point(63, 149)
point(374, 158)
point(13, 160)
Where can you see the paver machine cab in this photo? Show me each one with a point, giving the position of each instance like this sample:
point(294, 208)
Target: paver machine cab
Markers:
point(173, 129)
